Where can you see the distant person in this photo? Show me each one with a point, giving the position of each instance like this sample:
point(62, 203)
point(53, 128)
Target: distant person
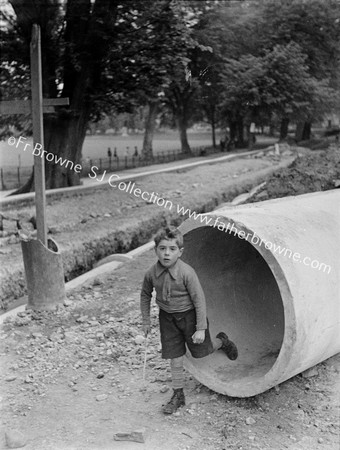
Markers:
point(109, 153)
point(182, 311)
point(124, 131)
point(222, 144)
point(136, 152)
point(230, 145)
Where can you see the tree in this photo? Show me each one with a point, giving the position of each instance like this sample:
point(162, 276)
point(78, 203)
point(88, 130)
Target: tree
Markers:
point(315, 27)
point(187, 78)
point(75, 38)
point(105, 55)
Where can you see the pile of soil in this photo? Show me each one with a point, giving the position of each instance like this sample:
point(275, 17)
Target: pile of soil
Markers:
point(317, 171)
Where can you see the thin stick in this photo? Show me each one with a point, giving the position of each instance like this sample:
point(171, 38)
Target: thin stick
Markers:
point(145, 351)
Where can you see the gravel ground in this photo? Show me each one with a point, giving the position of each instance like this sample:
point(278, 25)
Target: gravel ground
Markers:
point(72, 379)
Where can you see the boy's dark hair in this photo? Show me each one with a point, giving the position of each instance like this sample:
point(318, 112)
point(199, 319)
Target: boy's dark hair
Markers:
point(169, 233)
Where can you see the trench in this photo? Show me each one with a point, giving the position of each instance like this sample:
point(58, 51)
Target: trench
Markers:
point(84, 255)
point(243, 300)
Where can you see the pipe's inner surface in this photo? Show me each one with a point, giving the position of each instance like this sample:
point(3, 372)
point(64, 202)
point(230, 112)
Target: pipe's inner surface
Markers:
point(243, 300)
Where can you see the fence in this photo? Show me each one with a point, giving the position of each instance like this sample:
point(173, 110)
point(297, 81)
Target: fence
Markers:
point(13, 177)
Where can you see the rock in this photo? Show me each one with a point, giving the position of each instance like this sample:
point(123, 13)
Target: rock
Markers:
point(101, 397)
point(54, 230)
point(139, 339)
point(312, 372)
point(10, 378)
point(320, 440)
point(100, 375)
point(164, 389)
point(13, 239)
point(37, 335)
point(67, 302)
point(82, 319)
point(29, 379)
point(250, 421)
point(132, 436)
point(15, 439)
point(54, 336)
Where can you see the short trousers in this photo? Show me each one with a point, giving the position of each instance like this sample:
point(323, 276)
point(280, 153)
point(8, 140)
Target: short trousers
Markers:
point(177, 330)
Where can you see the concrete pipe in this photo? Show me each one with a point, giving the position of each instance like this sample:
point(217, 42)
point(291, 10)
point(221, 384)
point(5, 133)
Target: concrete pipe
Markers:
point(270, 272)
point(44, 274)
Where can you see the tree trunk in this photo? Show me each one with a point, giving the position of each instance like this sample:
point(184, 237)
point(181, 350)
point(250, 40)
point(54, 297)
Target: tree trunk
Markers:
point(240, 132)
point(182, 127)
point(179, 101)
point(307, 129)
point(303, 131)
point(233, 130)
point(271, 129)
point(284, 128)
point(213, 127)
point(64, 137)
point(86, 49)
point(250, 140)
point(150, 125)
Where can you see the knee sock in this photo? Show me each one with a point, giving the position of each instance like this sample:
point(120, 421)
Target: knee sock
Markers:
point(177, 372)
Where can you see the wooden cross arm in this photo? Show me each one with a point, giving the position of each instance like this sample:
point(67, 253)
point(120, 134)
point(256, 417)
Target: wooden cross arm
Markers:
point(25, 106)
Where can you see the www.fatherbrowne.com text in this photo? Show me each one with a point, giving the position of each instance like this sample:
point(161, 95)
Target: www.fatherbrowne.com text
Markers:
point(154, 197)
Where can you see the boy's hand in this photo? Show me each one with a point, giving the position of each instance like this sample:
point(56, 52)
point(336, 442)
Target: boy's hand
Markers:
point(198, 337)
point(146, 329)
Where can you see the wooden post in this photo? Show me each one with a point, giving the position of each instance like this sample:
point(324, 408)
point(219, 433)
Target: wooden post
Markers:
point(38, 134)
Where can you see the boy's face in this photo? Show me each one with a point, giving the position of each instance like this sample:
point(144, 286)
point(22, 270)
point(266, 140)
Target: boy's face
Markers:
point(168, 252)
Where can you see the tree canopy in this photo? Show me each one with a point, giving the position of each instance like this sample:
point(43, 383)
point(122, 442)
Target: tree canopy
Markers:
point(230, 62)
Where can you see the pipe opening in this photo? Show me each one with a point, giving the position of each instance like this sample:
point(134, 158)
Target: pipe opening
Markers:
point(243, 300)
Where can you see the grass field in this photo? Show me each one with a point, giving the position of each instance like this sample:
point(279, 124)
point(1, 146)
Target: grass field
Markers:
point(97, 146)
point(16, 164)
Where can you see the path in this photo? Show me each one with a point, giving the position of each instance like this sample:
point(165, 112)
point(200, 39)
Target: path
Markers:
point(138, 172)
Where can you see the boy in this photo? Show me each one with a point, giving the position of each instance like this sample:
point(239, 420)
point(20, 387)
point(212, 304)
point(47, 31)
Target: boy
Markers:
point(182, 314)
